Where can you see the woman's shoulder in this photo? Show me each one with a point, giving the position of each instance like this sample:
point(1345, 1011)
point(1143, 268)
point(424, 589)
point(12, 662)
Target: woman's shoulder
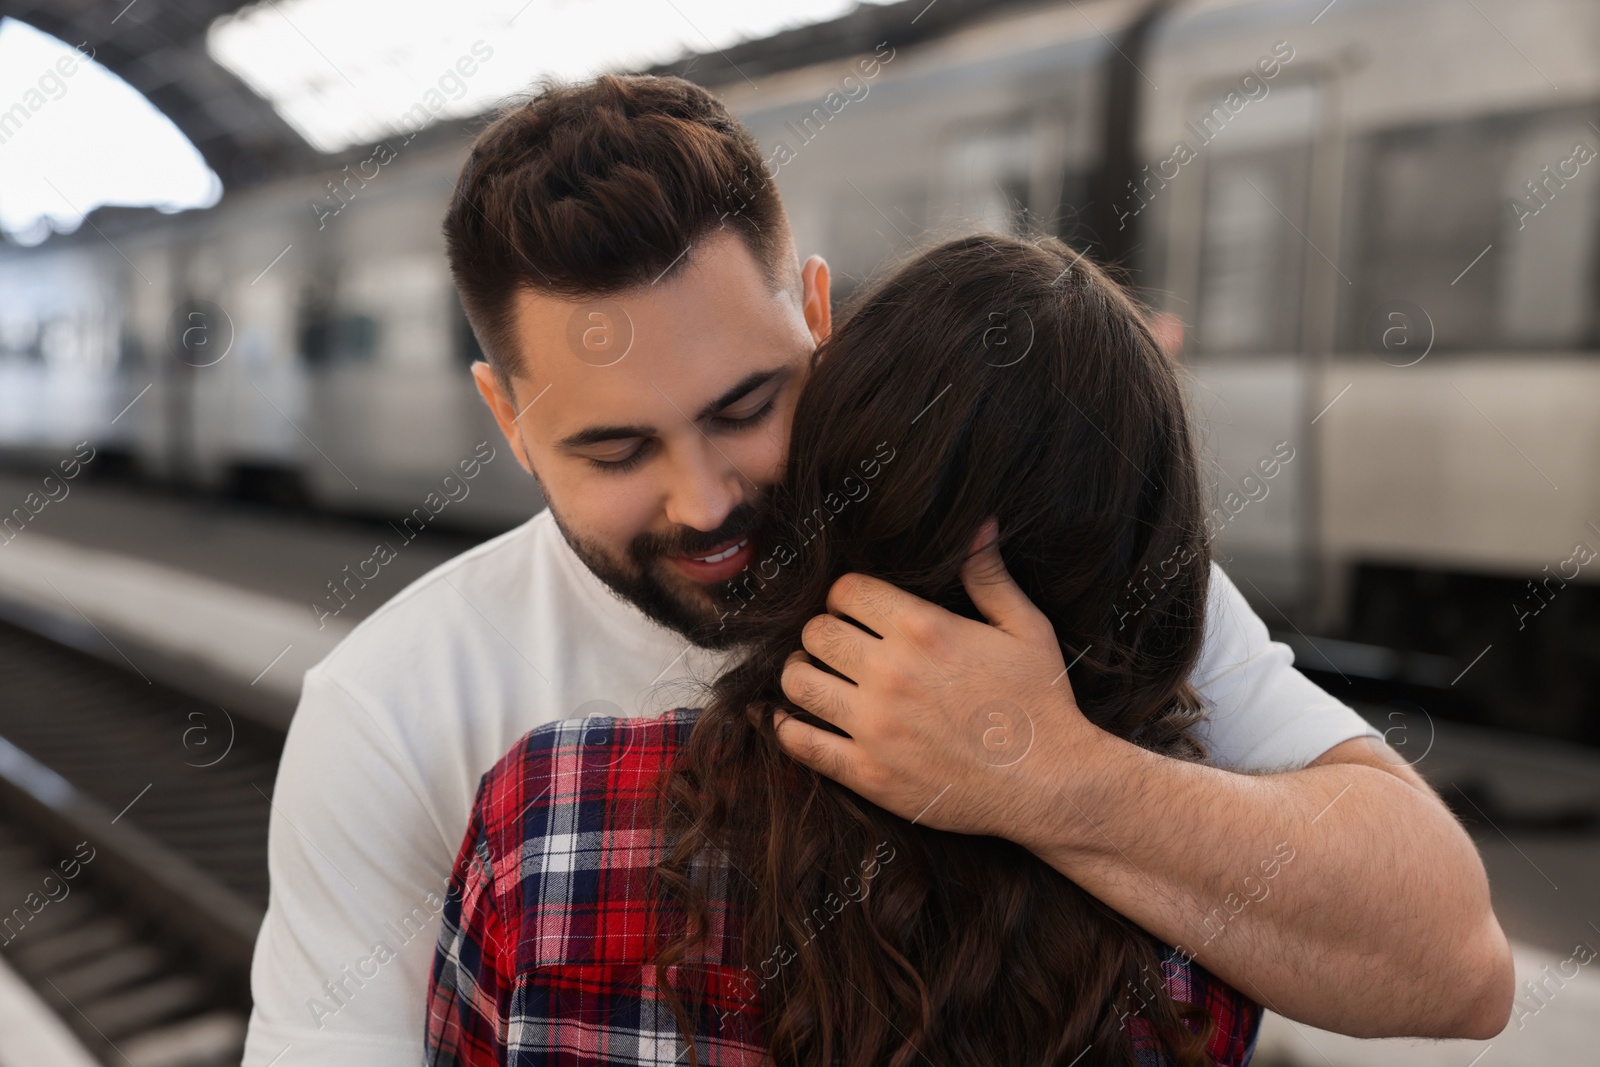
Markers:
point(567, 822)
point(600, 741)
point(579, 775)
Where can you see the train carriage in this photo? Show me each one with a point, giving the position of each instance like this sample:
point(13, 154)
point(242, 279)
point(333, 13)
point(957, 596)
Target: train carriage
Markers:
point(1376, 222)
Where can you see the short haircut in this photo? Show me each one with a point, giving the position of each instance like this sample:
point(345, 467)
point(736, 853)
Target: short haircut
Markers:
point(595, 188)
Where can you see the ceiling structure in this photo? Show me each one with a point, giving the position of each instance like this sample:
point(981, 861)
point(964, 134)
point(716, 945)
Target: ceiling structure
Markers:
point(159, 48)
point(857, 33)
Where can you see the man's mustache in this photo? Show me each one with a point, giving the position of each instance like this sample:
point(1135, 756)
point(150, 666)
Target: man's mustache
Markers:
point(687, 541)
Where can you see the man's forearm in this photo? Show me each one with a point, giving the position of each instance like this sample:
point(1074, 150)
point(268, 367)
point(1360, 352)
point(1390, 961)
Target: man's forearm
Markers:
point(1338, 895)
point(1380, 924)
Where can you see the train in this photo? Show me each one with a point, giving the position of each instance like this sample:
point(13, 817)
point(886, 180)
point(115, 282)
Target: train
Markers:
point(1367, 226)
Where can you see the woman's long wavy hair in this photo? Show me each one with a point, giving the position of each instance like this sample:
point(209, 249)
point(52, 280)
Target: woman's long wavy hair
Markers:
point(999, 377)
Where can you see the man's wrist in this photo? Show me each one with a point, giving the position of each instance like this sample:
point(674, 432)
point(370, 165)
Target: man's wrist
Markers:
point(1074, 770)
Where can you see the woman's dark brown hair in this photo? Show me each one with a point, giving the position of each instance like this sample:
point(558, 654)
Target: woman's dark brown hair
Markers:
point(999, 377)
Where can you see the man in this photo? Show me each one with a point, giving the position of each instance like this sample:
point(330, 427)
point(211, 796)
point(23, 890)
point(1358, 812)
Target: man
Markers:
point(629, 273)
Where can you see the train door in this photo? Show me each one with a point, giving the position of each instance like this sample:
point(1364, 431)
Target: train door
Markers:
point(1251, 266)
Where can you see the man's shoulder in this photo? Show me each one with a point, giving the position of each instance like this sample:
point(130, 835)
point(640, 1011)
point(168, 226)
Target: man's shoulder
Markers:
point(473, 614)
point(499, 566)
point(1262, 713)
point(437, 676)
point(517, 618)
point(1234, 634)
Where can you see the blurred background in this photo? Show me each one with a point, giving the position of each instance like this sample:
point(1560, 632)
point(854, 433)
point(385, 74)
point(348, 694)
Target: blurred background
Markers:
point(232, 363)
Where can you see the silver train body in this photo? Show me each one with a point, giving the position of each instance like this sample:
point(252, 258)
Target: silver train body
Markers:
point(1377, 220)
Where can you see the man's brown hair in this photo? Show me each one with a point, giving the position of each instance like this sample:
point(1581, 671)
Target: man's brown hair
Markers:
point(596, 188)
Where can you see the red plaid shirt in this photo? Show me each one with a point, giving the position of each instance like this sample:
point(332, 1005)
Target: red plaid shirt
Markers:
point(546, 956)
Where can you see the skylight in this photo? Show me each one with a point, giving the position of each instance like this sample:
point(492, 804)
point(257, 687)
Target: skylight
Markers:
point(345, 72)
point(74, 136)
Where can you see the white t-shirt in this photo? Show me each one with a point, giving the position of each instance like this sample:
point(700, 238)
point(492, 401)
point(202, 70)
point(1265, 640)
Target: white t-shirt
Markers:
point(396, 726)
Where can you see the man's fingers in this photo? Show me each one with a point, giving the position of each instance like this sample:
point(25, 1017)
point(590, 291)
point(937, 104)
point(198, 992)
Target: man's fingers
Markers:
point(817, 691)
point(828, 754)
point(876, 604)
point(838, 644)
point(992, 589)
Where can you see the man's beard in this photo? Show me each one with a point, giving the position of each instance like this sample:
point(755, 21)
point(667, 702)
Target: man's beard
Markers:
point(648, 582)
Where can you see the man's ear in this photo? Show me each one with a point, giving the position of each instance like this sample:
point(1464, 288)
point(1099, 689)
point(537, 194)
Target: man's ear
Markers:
point(503, 407)
point(816, 300)
point(1167, 329)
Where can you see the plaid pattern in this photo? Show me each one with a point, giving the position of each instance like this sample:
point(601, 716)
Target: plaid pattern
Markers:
point(545, 951)
point(1238, 1017)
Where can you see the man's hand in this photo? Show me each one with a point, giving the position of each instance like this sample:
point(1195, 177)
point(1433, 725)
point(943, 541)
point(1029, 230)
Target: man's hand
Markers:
point(937, 706)
point(1381, 927)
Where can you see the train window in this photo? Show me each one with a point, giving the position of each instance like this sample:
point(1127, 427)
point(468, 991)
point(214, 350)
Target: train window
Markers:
point(1488, 224)
point(1253, 221)
point(1250, 269)
point(1548, 231)
point(355, 336)
point(330, 336)
point(130, 348)
point(1073, 219)
point(19, 335)
point(312, 327)
point(61, 342)
point(990, 174)
point(1429, 204)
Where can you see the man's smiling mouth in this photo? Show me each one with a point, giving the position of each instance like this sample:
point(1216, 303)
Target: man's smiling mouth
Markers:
point(724, 554)
point(719, 565)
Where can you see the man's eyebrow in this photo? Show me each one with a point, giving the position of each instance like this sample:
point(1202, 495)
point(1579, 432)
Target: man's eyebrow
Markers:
point(595, 435)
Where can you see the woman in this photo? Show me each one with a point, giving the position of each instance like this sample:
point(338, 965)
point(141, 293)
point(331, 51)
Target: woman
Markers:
point(627, 886)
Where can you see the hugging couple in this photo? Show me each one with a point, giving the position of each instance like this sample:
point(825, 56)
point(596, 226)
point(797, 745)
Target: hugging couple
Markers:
point(866, 694)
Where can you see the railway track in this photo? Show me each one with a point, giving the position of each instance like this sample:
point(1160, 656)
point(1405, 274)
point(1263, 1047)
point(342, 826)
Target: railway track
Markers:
point(133, 823)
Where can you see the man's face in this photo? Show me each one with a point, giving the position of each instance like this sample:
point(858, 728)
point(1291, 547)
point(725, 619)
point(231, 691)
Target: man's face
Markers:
point(654, 420)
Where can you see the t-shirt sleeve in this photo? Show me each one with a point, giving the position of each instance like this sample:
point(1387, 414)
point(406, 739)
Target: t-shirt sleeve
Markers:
point(341, 964)
point(1263, 714)
point(469, 994)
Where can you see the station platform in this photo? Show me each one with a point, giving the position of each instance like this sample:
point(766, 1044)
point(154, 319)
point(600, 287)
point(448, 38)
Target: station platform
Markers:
point(34, 1036)
point(1533, 809)
point(1556, 1025)
point(220, 599)
point(205, 592)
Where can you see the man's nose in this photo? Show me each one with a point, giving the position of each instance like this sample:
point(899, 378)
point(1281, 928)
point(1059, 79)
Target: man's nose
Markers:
point(706, 488)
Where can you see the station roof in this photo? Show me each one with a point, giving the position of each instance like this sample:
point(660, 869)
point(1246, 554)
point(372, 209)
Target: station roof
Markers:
point(860, 31)
point(159, 48)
